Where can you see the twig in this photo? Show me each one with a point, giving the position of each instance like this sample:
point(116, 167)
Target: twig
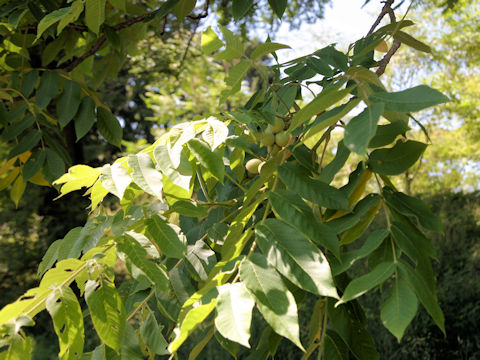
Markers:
point(188, 47)
point(204, 14)
point(74, 63)
point(68, 67)
point(385, 10)
point(388, 56)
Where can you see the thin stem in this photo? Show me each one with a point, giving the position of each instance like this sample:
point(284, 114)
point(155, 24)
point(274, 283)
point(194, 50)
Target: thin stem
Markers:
point(203, 187)
point(320, 163)
point(235, 182)
point(382, 14)
point(67, 281)
point(280, 98)
point(324, 327)
point(134, 311)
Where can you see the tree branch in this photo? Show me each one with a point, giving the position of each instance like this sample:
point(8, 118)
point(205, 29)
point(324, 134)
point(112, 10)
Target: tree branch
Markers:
point(385, 11)
point(204, 14)
point(68, 67)
point(382, 64)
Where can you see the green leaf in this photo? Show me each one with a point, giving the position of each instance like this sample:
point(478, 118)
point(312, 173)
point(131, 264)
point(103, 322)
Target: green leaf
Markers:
point(321, 102)
point(183, 8)
point(294, 211)
point(181, 176)
point(34, 164)
point(410, 100)
point(278, 7)
point(26, 143)
point(119, 4)
point(77, 177)
point(85, 117)
point(17, 190)
point(109, 126)
point(68, 322)
point(152, 335)
point(362, 128)
point(360, 285)
point(55, 165)
point(295, 257)
point(210, 41)
point(341, 156)
point(28, 82)
point(397, 159)
point(72, 16)
point(319, 65)
point(411, 206)
point(348, 322)
point(267, 48)
point(200, 260)
point(423, 292)
point(233, 43)
point(15, 129)
point(49, 258)
point(399, 309)
point(145, 175)
point(346, 222)
point(237, 158)
point(234, 313)
point(106, 311)
point(316, 191)
point(130, 349)
point(409, 40)
point(48, 88)
point(94, 14)
point(374, 240)
point(273, 299)
point(216, 133)
point(115, 179)
point(198, 349)
point(138, 256)
point(240, 8)
point(234, 78)
point(232, 347)
point(386, 134)
point(210, 160)
point(188, 208)
point(406, 233)
point(165, 237)
point(360, 227)
point(192, 319)
point(50, 19)
point(68, 102)
point(334, 347)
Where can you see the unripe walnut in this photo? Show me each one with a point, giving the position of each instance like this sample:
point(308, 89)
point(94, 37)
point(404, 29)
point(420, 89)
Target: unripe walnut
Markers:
point(268, 138)
point(282, 139)
point(277, 125)
point(252, 165)
point(273, 150)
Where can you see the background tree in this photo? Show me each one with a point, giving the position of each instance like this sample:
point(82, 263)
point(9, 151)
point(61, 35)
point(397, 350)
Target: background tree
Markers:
point(180, 247)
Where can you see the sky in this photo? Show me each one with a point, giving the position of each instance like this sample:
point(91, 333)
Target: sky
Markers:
point(345, 21)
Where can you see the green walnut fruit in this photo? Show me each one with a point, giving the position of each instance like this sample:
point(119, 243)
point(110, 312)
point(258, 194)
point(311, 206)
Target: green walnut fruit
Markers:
point(277, 125)
point(268, 139)
point(260, 167)
point(252, 166)
point(273, 150)
point(282, 139)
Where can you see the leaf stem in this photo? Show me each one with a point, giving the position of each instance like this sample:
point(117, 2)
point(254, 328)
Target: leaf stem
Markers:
point(134, 311)
point(202, 186)
point(235, 182)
